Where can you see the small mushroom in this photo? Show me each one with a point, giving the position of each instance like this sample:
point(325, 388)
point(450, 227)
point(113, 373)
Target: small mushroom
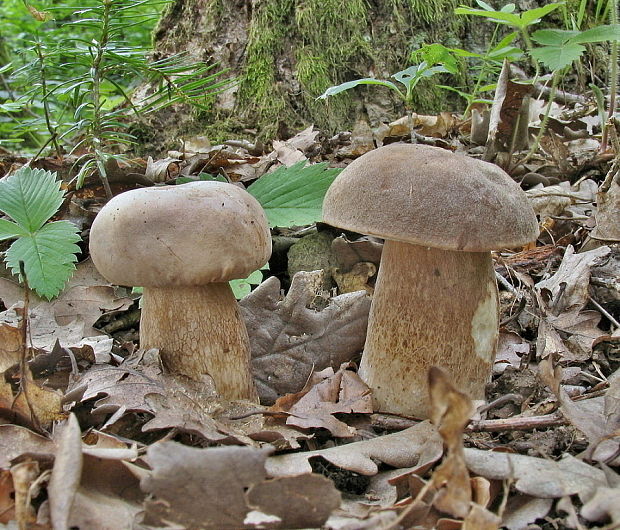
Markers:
point(436, 299)
point(183, 244)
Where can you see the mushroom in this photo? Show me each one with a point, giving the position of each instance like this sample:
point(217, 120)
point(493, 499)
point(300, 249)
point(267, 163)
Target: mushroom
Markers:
point(436, 299)
point(183, 244)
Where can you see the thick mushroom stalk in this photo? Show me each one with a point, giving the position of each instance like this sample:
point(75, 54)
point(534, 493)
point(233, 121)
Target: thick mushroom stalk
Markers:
point(199, 330)
point(431, 307)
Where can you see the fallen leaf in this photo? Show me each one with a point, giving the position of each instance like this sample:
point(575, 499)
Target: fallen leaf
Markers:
point(569, 285)
point(15, 441)
point(538, 477)
point(450, 412)
point(414, 446)
point(228, 480)
point(522, 510)
point(289, 339)
point(66, 473)
point(608, 212)
point(327, 393)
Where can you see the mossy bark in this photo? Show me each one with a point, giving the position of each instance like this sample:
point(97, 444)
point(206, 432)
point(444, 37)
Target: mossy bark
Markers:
point(285, 53)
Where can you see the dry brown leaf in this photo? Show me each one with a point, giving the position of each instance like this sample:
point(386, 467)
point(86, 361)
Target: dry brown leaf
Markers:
point(327, 393)
point(66, 473)
point(7, 496)
point(227, 480)
point(538, 477)
point(603, 506)
point(510, 349)
point(450, 412)
point(10, 345)
point(479, 518)
point(84, 300)
point(553, 201)
point(161, 170)
point(109, 497)
point(521, 510)
point(608, 212)
point(569, 285)
point(417, 445)
point(15, 441)
point(290, 340)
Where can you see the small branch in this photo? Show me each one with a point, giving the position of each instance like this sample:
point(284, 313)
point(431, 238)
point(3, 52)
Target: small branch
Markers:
point(518, 423)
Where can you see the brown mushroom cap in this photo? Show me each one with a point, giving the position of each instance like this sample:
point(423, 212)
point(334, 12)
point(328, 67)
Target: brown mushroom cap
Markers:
point(429, 196)
point(192, 234)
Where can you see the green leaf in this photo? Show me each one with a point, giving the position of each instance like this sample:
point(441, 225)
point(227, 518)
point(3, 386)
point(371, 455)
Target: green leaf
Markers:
point(533, 16)
point(48, 255)
point(333, 90)
point(30, 197)
point(241, 288)
point(9, 230)
point(558, 57)
point(608, 32)
point(553, 37)
point(293, 196)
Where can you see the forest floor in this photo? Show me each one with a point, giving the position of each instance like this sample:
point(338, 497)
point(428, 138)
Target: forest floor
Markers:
point(96, 434)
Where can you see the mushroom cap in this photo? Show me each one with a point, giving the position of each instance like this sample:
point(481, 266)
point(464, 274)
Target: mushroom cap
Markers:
point(191, 234)
point(429, 196)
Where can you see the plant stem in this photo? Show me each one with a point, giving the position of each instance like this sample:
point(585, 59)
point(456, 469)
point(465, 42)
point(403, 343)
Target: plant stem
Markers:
point(97, 67)
point(613, 78)
point(46, 109)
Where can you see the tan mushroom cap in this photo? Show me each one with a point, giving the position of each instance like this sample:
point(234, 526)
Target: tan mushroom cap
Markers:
point(429, 196)
point(185, 235)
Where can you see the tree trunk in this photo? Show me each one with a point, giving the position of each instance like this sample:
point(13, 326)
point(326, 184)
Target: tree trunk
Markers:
point(285, 53)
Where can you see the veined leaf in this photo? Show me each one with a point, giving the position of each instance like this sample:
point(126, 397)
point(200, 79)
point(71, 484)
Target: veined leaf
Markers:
point(48, 255)
point(558, 57)
point(9, 230)
point(293, 196)
point(31, 197)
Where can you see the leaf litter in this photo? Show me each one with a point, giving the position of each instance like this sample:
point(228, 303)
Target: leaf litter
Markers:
point(98, 435)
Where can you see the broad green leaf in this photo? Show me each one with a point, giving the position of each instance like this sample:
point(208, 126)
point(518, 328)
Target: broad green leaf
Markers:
point(293, 196)
point(30, 197)
point(9, 230)
point(558, 57)
point(553, 37)
point(439, 54)
point(48, 255)
point(608, 32)
point(495, 16)
point(533, 16)
point(333, 90)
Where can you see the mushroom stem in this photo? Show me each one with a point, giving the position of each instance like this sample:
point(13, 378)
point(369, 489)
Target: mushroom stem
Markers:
point(431, 307)
point(198, 330)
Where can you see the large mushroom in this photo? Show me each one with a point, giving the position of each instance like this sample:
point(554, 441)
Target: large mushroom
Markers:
point(183, 244)
point(435, 301)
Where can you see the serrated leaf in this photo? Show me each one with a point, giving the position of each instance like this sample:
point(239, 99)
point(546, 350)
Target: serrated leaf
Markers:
point(608, 32)
point(293, 196)
point(48, 255)
point(30, 197)
point(553, 37)
point(9, 230)
point(558, 57)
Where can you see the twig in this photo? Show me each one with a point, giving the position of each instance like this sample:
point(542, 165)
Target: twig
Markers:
point(518, 423)
point(543, 90)
point(604, 312)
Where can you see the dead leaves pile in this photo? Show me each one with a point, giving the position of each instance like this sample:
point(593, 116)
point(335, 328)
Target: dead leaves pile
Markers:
point(95, 434)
